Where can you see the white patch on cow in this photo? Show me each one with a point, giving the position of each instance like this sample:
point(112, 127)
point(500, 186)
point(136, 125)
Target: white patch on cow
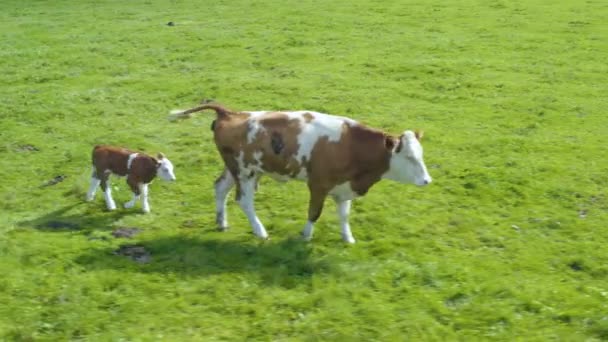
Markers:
point(222, 188)
point(143, 189)
point(407, 165)
point(246, 169)
point(343, 209)
point(176, 114)
point(93, 188)
point(254, 126)
point(247, 205)
point(257, 156)
point(240, 160)
point(132, 202)
point(253, 129)
point(257, 166)
point(303, 174)
point(308, 231)
point(257, 113)
point(322, 125)
point(165, 170)
point(130, 161)
point(343, 192)
point(108, 197)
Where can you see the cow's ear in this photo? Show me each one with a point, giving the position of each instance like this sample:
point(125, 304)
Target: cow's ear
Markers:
point(160, 156)
point(400, 142)
point(389, 143)
point(419, 135)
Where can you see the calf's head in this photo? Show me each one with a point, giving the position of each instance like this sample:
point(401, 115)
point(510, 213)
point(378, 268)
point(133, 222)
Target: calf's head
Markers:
point(407, 163)
point(164, 168)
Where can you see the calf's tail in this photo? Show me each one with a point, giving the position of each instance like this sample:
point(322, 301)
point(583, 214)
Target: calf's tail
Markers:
point(188, 113)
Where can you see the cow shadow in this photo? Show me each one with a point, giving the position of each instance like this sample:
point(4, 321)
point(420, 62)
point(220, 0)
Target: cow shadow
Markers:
point(287, 263)
point(63, 219)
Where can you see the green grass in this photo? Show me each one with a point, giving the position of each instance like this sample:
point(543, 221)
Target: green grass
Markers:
point(508, 243)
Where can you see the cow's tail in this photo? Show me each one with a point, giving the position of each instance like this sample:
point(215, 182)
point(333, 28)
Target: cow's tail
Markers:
point(221, 111)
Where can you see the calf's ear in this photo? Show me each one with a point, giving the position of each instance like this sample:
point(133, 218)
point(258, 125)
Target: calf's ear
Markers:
point(419, 135)
point(160, 155)
point(389, 143)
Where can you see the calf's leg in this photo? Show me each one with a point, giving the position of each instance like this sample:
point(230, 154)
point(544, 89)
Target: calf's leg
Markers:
point(107, 189)
point(135, 187)
point(143, 189)
point(245, 194)
point(94, 185)
point(223, 184)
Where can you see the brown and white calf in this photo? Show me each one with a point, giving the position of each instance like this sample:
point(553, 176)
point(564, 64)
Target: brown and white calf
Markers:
point(139, 168)
point(335, 155)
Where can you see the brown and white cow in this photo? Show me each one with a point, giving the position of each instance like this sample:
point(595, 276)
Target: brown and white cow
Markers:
point(335, 155)
point(139, 168)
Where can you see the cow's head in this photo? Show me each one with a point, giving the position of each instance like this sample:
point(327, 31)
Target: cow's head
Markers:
point(164, 168)
point(407, 164)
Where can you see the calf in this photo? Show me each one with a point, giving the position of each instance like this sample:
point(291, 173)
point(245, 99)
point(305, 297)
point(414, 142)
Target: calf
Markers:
point(334, 155)
point(139, 168)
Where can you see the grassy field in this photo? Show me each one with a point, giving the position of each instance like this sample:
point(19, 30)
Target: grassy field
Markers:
point(508, 243)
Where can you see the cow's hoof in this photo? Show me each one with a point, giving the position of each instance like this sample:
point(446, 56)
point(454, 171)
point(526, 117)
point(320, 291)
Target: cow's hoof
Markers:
point(349, 239)
point(307, 232)
point(222, 225)
point(262, 236)
point(306, 237)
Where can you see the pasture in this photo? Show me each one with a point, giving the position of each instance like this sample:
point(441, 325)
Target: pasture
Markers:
point(507, 243)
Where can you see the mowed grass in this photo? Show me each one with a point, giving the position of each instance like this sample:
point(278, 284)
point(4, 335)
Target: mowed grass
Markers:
point(508, 243)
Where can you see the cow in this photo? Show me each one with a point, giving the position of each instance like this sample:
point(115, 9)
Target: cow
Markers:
point(336, 156)
point(139, 168)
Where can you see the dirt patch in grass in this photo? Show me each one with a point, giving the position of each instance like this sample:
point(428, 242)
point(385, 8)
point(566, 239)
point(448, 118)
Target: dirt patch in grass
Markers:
point(26, 148)
point(125, 232)
point(136, 253)
point(55, 180)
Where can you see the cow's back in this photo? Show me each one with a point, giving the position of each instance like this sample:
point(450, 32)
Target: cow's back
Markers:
point(285, 144)
point(313, 142)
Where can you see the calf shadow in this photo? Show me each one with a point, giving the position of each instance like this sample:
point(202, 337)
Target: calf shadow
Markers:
point(284, 263)
point(62, 220)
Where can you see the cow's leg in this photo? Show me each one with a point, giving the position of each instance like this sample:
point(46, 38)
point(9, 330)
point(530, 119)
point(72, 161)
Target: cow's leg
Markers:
point(223, 184)
point(245, 194)
point(135, 187)
point(257, 183)
point(107, 189)
point(315, 207)
point(343, 208)
point(95, 181)
point(143, 189)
